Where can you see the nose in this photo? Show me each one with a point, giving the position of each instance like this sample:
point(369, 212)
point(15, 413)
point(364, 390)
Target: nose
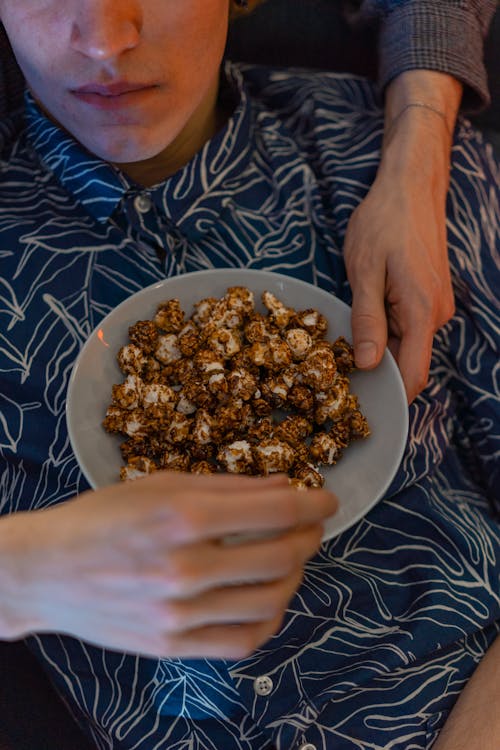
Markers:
point(104, 29)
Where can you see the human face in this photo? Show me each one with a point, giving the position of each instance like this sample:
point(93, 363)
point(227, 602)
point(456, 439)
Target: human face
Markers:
point(128, 79)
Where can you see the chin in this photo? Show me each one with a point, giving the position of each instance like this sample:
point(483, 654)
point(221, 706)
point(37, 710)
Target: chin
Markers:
point(123, 149)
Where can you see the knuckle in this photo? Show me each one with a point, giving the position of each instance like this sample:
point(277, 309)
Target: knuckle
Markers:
point(369, 327)
point(447, 311)
point(274, 601)
point(290, 510)
point(247, 641)
point(363, 321)
point(174, 617)
point(190, 521)
point(182, 573)
point(419, 384)
point(284, 558)
point(269, 629)
point(169, 646)
point(427, 303)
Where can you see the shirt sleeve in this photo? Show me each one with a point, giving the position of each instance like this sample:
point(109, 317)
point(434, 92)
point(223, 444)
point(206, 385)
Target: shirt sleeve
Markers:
point(443, 35)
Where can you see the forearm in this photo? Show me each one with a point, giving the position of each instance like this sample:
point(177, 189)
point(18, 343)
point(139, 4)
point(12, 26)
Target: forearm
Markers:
point(420, 112)
point(474, 723)
point(439, 92)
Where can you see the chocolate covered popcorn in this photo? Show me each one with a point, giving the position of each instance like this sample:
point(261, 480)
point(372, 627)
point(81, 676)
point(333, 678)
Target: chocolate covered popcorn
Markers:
point(232, 389)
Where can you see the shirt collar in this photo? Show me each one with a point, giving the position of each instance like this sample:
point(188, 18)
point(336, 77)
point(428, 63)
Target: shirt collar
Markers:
point(99, 186)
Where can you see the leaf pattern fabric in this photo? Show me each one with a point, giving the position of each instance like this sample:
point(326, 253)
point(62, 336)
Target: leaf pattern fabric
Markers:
point(395, 613)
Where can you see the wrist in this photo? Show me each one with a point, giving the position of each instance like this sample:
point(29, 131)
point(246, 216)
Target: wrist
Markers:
point(19, 613)
point(421, 107)
point(439, 91)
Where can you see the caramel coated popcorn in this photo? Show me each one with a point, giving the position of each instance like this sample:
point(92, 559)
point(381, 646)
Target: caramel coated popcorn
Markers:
point(232, 389)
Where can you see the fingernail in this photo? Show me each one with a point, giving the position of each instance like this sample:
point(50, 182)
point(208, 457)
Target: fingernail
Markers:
point(366, 354)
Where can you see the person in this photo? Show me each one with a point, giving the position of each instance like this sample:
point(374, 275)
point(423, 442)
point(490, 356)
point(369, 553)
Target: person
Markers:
point(137, 158)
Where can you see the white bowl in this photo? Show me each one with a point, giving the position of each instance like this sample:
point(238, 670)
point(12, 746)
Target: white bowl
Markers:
point(367, 467)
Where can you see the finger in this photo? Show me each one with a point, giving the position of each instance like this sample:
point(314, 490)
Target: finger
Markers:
point(234, 641)
point(368, 321)
point(221, 641)
point(218, 481)
point(191, 570)
point(414, 358)
point(230, 605)
point(256, 508)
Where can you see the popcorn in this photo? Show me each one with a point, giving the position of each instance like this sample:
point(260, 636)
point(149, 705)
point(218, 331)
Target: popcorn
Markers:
point(179, 428)
point(313, 321)
point(138, 466)
point(144, 334)
point(167, 349)
point(203, 311)
point(299, 341)
point(306, 475)
point(242, 383)
point(319, 370)
point(280, 314)
point(188, 340)
point(237, 457)
point(128, 394)
point(294, 430)
point(201, 394)
point(225, 342)
point(241, 299)
point(169, 316)
point(325, 449)
point(157, 393)
point(132, 360)
point(273, 455)
point(175, 460)
point(203, 467)
point(330, 404)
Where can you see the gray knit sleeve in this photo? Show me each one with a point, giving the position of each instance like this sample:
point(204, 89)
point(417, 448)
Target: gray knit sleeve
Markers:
point(444, 35)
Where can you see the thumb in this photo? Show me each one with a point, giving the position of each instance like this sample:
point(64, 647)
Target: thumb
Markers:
point(369, 324)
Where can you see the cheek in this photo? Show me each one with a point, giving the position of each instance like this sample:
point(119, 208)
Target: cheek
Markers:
point(36, 59)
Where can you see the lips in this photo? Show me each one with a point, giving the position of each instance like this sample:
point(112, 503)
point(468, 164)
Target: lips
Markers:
point(112, 89)
point(120, 96)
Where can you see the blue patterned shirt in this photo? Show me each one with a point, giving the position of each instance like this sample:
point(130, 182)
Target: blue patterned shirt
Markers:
point(394, 614)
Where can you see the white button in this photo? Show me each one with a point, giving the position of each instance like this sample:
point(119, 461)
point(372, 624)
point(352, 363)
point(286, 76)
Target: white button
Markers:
point(263, 685)
point(307, 746)
point(142, 203)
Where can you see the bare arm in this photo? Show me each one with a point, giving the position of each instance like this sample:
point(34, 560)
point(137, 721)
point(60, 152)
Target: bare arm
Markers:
point(474, 723)
point(395, 248)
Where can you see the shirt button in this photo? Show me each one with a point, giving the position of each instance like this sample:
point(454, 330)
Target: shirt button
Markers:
point(307, 746)
point(142, 204)
point(263, 685)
